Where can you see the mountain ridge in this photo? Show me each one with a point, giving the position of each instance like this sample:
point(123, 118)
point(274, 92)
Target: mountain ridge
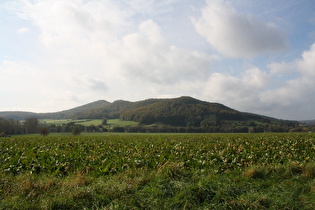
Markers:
point(183, 107)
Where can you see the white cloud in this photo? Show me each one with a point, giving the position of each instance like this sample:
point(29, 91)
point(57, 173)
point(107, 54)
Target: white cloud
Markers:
point(151, 7)
point(66, 22)
point(294, 100)
point(255, 78)
point(255, 91)
point(20, 79)
point(91, 47)
point(297, 91)
point(44, 91)
point(237, 35)
point(307, 64)
point(99, 32)
point(282, 68)
point(147, 57)
point(237, 91)
point(23, 30)
point(91, 83)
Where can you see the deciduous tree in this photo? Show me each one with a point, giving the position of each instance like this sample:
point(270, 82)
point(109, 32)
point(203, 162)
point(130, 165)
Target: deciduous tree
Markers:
point(44, 131)
point(31, 124)
point(76, 130)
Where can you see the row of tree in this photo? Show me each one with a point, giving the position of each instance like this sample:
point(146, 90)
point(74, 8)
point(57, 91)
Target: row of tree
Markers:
point(213, 129)
point(9, 127)
point(32, 125)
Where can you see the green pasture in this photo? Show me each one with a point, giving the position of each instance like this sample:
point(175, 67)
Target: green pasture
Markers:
point(121, 123)
point(88, 122)
point(56, 122)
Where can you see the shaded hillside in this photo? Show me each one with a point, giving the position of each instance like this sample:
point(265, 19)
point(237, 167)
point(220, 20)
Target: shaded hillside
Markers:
point(114, 110)
point(310, 122)
point(91, 110)
point(16, 115)
point(98, 110)
point(95, 110)
point(186, 111)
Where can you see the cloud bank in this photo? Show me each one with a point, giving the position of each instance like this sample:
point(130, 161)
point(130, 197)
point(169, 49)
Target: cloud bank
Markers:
point(237, 35)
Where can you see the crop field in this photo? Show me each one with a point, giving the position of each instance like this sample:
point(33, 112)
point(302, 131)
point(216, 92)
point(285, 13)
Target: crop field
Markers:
point(158, 171)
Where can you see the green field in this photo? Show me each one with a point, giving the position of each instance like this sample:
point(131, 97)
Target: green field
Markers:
point(110, 123)
point(160, 171)
point(56, 122)
point(121, 123)
point(87, 122)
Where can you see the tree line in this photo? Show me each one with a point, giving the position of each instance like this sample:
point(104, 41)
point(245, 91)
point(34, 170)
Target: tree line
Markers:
point(32, 125)
point(232, 128)
point(10, 126)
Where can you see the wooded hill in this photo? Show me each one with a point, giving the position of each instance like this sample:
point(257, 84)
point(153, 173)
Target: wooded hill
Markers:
point(183, 111)
point(187, 111)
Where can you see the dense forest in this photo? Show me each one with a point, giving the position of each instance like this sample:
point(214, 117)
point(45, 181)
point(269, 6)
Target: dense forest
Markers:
point(184, 111)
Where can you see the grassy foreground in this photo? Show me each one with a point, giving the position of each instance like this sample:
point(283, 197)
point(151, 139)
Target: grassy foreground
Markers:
point(207, 171)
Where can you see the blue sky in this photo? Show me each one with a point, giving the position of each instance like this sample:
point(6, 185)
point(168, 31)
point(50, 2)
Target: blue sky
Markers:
point(251, 55)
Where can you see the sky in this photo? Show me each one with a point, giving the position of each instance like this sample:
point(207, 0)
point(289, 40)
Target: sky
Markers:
point(254, 56)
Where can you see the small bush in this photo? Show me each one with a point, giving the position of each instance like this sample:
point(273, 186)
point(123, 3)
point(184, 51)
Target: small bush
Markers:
point(295, 168)
point(309, 171)
point(76, 131)
point(44, 131)
point(173, 170)
point(255, 173)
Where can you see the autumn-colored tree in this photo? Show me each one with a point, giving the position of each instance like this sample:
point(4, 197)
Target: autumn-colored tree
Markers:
point(44, 131)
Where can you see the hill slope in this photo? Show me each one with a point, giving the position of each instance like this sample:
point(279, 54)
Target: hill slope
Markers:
point(89, 109)
point(18, 115)
point(182, 111)
point(186, 111)
point(92, 110)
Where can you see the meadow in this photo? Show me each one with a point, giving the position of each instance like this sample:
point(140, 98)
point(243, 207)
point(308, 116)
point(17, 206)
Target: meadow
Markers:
point(158, 171)
point(87, 122)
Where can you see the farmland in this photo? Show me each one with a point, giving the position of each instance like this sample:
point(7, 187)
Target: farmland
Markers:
point(164, 171)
